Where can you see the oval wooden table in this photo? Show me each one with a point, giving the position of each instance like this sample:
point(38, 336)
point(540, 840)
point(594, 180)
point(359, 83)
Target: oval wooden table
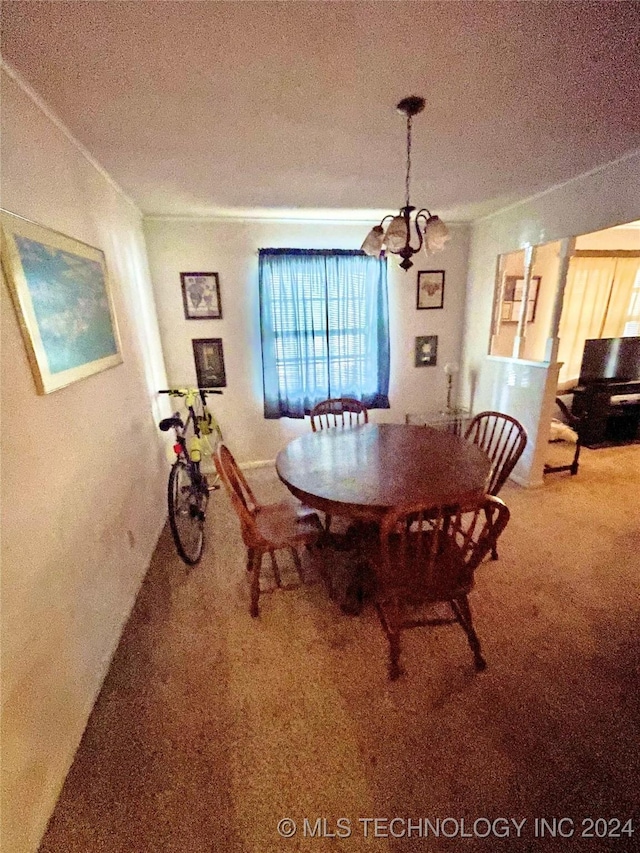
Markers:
point(362, 472)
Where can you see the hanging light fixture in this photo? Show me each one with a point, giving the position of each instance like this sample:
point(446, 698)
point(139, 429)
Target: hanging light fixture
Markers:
point(432, 233)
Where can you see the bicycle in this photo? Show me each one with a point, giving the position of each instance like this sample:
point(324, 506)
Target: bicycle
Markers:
point(188, 488)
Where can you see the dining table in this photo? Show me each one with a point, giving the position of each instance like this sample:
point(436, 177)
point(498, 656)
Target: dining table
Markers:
point(362, 472)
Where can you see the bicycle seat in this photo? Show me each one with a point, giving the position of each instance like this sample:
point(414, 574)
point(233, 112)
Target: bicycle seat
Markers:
point(170, 423)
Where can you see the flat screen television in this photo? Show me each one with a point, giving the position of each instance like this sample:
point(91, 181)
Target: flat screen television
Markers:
point(609, 359)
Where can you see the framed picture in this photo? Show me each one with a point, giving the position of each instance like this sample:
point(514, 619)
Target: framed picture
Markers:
point(430, 292)
point(512, 299)
point(426, 351)
point(61, 294)
point(209, 359)
point(201, 295)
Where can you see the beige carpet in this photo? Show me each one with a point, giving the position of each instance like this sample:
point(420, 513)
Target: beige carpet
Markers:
point(212, 727)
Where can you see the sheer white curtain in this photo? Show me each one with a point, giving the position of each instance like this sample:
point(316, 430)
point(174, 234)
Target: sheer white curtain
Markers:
point(623, 312)
point(599, 302)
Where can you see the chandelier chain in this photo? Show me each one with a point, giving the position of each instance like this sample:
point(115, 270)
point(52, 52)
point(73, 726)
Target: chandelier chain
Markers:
point(408, 178)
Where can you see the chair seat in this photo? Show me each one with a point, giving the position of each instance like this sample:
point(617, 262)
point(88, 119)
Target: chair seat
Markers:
point(282, 524)
point(291, 505)
point(266, 528)
point(300, 509)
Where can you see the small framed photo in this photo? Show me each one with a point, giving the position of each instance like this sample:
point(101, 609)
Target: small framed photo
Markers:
point(426, 351)
point(430, 292)
point(209, 359)
point(201, 295)
point(512, 299)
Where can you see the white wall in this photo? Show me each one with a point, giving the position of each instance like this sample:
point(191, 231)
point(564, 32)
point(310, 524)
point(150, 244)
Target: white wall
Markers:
point(545, 265)
point(83, 479)
point(606, 197)
point(231, 249)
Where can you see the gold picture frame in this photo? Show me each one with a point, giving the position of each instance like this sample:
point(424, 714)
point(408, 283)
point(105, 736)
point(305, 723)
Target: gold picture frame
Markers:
point(512, 299)
point(60, 289)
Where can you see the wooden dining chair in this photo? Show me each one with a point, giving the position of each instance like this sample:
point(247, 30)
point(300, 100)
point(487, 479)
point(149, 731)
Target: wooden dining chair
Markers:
point(266, 528)
point(338, 412)
point(503, 439)
point(428, 558)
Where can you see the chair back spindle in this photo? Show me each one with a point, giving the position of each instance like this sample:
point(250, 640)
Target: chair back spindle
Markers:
point(242, 498)
point(338, 412)
point(428, 557)
point(503, 439)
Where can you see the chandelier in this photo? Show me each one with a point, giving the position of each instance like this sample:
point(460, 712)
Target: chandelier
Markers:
point(432, 233)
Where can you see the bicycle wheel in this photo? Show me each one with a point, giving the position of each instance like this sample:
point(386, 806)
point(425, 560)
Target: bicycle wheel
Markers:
point(187, 500)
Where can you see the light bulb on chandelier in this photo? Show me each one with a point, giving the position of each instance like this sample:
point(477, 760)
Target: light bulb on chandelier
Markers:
point(432, 233)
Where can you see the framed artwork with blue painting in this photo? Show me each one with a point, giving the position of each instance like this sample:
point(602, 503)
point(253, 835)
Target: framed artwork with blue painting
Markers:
point(60, 290)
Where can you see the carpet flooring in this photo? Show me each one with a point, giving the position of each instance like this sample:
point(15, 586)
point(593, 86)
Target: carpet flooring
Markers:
point(212, 727)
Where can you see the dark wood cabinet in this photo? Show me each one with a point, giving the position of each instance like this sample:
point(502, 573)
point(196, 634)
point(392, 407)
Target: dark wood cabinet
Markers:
point(608, 412)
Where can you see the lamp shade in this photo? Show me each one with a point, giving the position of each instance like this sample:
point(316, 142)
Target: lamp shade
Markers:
point(396, 236)
point(436, 235)
point(373, 242)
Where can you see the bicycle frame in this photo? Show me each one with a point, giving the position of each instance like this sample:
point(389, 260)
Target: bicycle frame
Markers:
point(188, 487)
point(203, 425)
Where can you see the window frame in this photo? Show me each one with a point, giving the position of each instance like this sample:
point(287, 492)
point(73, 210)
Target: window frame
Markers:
point(333, 354)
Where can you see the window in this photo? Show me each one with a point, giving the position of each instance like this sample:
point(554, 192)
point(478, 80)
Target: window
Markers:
point(325, 329)
point(632, 325)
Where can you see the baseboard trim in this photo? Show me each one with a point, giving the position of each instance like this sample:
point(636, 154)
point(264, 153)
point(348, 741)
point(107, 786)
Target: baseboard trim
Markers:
point(259, 463)
point(527, 484)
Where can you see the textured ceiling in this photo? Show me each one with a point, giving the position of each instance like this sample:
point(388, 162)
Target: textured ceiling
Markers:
point(243, 107)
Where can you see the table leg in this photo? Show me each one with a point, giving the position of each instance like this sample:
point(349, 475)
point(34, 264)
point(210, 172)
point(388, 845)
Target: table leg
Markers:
point(361, 588)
